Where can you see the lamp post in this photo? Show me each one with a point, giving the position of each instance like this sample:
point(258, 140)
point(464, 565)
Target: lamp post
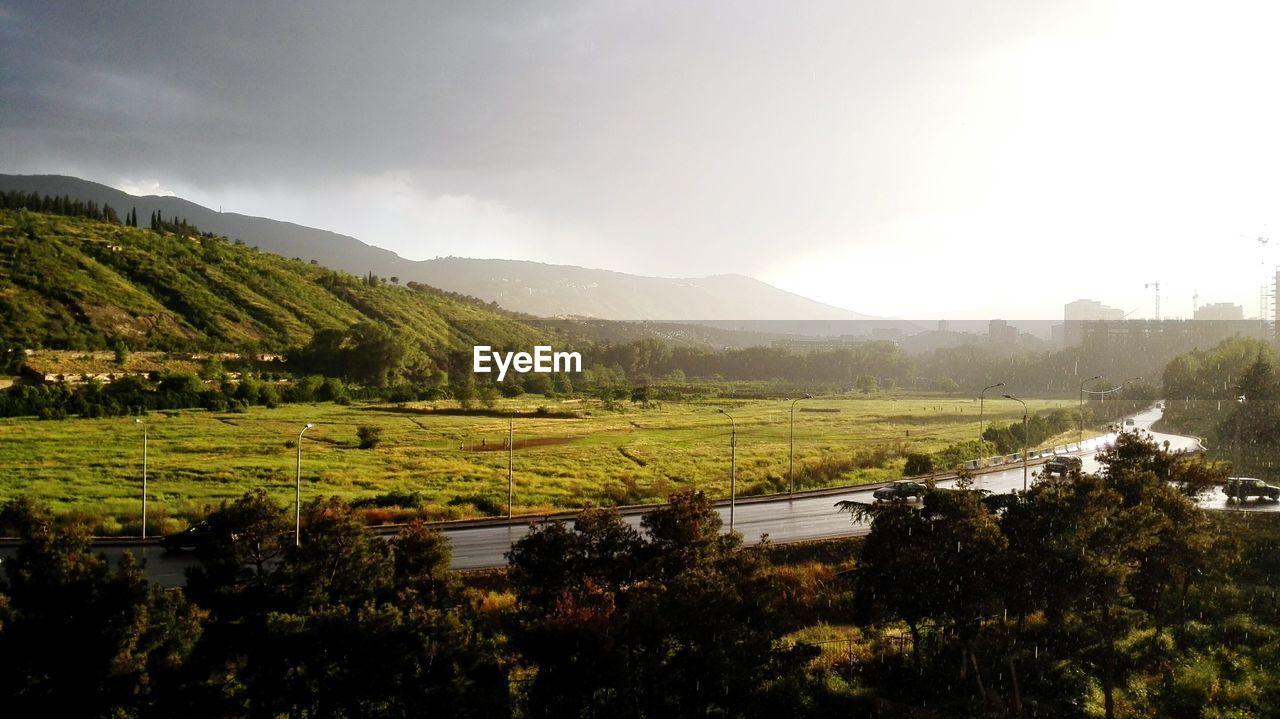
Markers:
point(791, 463)
point(1235, 467)
point(982, 396)
point(297, 495)
point(1102, 394)
point(511, 443)
point(1080, 411)
point(1024, 438)
point(1131, 379)
point(733, 466)
point(144, 475)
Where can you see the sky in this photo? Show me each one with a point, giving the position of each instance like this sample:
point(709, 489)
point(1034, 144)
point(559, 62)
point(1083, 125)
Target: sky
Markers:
point(922, 158)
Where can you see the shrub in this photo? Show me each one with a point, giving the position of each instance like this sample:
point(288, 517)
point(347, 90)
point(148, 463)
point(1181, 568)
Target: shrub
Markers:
point(369, 435)
point(487, 505)
point(917, 464)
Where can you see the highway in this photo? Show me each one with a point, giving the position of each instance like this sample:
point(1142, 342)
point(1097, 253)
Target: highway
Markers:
point(811, 516)
point(807, 516)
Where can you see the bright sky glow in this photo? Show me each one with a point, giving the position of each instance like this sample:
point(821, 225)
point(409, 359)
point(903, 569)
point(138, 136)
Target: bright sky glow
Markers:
point(921, 159)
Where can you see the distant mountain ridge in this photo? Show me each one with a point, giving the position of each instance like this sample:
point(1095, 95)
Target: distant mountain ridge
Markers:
point(531, 287)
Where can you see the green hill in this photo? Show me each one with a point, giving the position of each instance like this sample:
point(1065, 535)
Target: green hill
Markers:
point(75, 283)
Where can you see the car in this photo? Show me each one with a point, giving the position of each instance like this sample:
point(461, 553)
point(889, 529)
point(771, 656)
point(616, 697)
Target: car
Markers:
point(1242, 488)
point(902, 489)
point(191, 538)
point(1062, 466)
point(1129, 422)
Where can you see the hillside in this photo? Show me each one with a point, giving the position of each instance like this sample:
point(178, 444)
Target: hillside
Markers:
point(561, 290)
point(531, 287)
point(80, 284)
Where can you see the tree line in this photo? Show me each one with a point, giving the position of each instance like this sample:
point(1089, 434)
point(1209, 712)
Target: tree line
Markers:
point(67, 206)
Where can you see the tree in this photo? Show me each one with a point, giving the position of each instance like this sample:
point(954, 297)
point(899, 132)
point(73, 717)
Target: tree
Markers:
point(247, 540)
point(672, 624)
point(465, 391)
point(77, 638)
point(866, 384)
point(640, 395)
point(367, 352)
point(948, 385)
point(917, 464)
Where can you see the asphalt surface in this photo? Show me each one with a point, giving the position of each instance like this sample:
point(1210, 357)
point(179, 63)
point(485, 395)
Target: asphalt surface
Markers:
point(804, 517)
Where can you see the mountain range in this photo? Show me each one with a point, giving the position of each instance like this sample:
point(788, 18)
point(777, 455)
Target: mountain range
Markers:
point(534, 288)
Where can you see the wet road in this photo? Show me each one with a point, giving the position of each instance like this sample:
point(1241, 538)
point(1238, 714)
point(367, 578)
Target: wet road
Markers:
point(783, 520)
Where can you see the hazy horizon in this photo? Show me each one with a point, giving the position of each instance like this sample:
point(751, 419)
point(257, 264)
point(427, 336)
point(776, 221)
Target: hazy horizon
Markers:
point(889, 159)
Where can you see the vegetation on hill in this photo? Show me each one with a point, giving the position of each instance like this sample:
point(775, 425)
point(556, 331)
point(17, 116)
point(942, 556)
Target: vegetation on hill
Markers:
point(79, 283)
point(1228, 395)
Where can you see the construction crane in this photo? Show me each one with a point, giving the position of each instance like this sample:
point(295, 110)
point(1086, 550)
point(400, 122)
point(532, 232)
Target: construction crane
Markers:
point(1156, 286)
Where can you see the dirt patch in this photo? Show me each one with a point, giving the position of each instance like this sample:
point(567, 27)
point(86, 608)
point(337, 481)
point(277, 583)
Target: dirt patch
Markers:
point(453, 411)
point(627, 453)
point(520, 444)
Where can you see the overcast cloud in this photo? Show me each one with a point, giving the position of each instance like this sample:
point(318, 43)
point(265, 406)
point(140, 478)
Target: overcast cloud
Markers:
point(844, 150)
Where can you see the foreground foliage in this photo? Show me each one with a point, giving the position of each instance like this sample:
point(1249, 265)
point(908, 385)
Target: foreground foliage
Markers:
point(1104, 594)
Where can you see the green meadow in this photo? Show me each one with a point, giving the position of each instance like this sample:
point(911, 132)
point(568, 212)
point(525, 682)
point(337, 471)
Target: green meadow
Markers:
point(454, 465)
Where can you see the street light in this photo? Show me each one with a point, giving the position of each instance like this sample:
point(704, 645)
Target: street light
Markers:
point(791, 465)
point(144, 475)
point(982, 396)
point(511, 443)
point(1240, 398)
point(297, 497)
point(1024, 438)
point(733, 466)
point(1131, 379)
point(1080, 411)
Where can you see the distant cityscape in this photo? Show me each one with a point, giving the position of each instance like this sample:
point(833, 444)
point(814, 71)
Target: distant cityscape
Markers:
point(1086, 323)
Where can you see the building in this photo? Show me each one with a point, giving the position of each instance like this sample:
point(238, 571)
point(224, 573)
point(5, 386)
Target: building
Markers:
point(1001, 334)
point(1075, 314)
point(1221, 311)
point(1163, 339)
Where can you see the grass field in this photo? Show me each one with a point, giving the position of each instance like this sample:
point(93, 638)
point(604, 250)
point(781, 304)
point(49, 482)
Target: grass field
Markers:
point(458, 462)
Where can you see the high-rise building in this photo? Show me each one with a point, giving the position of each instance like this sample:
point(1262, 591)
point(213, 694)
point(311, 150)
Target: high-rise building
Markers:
point(1001, 334)
point(1219, 311)
point(1074, 314)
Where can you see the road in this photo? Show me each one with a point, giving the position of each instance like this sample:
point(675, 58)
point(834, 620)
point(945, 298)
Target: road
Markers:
point(804, 517)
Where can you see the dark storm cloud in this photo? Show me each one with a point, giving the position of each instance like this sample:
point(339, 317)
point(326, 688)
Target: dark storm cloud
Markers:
point(359, 86)
point(678, 138)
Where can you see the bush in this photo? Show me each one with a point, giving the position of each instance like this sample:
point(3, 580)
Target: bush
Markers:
point(487, 505)
point(369, 435)
point(394, 498)
point(917, 464)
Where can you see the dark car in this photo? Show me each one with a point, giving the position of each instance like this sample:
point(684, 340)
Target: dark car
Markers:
point(1062, 466)
point(903, 489)
point(1242, 488)
point(193, 537)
